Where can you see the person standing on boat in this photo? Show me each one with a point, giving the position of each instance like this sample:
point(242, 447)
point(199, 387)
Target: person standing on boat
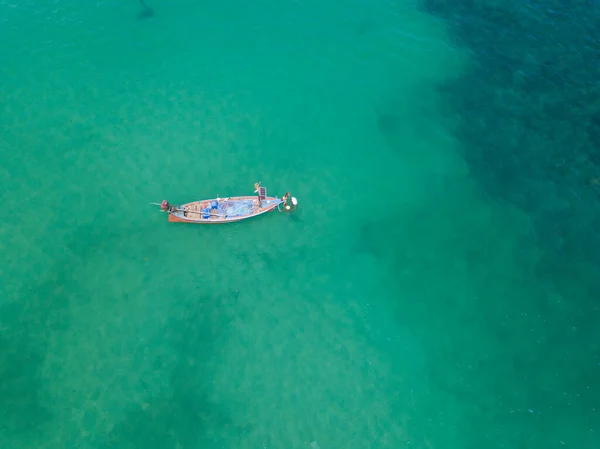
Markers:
point(284, 199)
point(257, 191)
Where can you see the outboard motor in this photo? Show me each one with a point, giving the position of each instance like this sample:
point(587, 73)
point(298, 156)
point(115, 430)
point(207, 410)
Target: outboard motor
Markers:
point(288, 207)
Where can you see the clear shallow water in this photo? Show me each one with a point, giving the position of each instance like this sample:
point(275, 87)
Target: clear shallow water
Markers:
point(400, 306)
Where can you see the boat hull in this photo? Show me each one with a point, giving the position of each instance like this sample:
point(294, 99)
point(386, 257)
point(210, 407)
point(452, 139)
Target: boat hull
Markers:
point(223, 210)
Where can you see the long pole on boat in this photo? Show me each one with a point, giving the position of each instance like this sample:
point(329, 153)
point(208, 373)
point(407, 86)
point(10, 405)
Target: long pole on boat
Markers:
point(188, 211)
point(196, 212)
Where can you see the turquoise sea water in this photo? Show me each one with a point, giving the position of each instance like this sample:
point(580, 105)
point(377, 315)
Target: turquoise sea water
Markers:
point(399, 307)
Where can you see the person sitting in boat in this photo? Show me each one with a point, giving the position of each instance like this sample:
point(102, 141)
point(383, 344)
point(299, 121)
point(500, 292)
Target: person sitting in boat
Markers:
point(166, 207)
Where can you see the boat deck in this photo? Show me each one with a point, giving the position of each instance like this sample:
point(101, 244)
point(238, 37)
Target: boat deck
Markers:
point(223, 209)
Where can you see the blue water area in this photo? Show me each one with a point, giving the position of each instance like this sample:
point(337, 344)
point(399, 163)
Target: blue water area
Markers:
point(437, 286)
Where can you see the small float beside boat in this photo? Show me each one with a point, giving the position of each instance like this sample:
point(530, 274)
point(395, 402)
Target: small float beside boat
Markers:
point(228, 210)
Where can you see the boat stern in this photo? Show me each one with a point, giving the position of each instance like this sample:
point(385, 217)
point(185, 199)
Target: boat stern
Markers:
point(289, 203)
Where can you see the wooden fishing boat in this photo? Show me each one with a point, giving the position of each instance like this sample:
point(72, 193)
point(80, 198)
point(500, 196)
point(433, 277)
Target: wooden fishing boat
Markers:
point(228, 210)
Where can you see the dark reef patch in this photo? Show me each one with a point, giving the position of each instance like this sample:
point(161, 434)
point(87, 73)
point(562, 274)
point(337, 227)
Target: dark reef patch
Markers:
point(529, 125)
point(530, 109)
